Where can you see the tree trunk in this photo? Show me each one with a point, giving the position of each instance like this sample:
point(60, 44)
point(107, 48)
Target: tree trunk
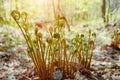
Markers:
point(103, 10)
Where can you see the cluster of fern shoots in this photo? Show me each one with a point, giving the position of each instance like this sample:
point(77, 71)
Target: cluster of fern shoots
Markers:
point(56, 51)
point(116, 39)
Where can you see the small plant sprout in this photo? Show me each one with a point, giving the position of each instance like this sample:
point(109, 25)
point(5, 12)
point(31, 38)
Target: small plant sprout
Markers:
point(116, 39)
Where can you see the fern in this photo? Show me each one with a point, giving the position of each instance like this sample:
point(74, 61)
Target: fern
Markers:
point(54, 52)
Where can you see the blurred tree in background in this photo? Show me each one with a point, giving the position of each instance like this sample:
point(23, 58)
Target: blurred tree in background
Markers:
point(76, 11)
point(2, 11)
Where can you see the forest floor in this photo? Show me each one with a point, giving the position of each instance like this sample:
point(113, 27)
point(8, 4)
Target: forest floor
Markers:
point(16, 65)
